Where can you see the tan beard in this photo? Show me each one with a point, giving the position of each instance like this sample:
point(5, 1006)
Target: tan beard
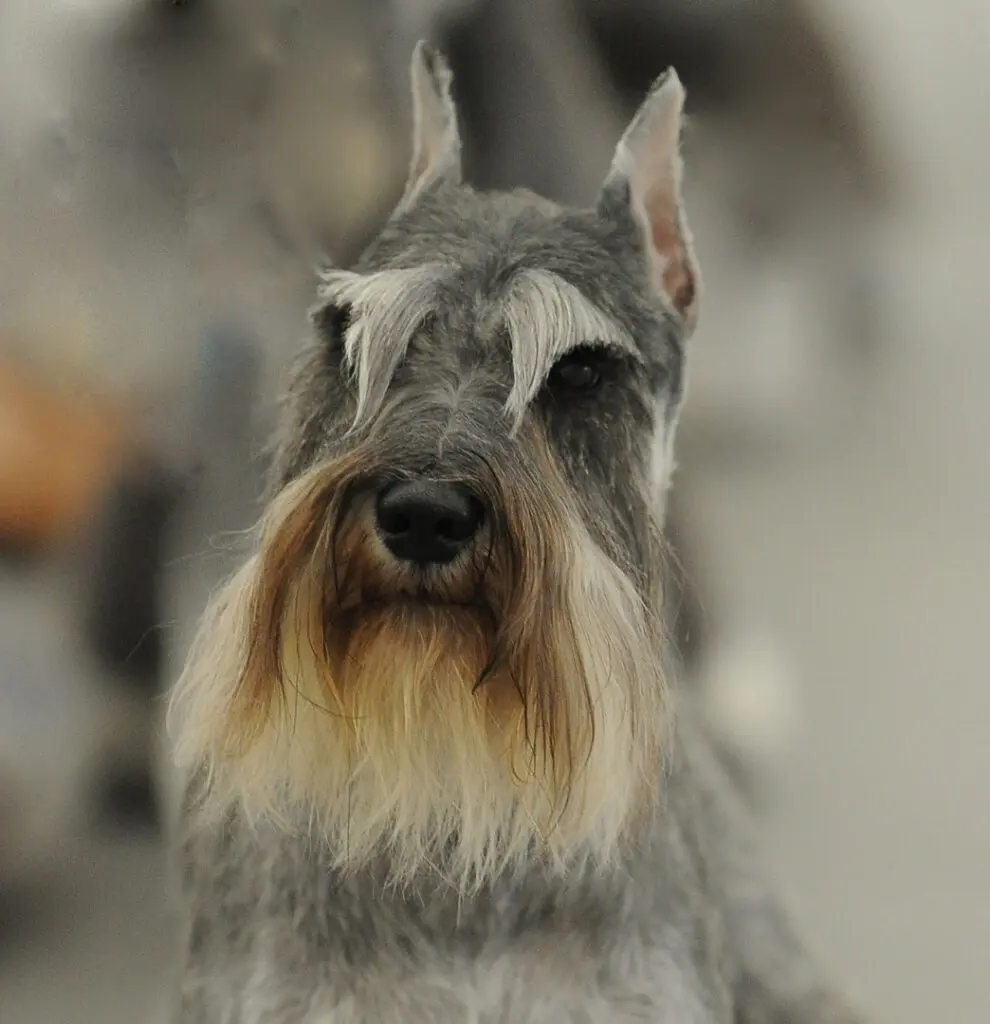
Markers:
point(451, 736)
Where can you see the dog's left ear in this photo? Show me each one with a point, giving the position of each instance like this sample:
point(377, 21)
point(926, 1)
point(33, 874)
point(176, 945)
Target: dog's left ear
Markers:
point(436, 137)
point(644, 181)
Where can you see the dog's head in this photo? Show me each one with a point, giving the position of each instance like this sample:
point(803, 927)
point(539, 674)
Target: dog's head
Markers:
point(446, 650)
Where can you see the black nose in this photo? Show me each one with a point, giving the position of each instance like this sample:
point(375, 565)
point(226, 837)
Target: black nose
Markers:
point(427, 521)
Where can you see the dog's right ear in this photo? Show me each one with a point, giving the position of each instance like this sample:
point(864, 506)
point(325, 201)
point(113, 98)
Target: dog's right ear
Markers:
point(436, 137)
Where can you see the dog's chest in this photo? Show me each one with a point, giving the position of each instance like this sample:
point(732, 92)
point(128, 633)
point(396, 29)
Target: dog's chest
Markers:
point(538, 986)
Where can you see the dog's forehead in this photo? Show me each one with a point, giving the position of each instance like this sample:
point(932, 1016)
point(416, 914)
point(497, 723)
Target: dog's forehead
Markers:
point(468, 274)
point(487, 237)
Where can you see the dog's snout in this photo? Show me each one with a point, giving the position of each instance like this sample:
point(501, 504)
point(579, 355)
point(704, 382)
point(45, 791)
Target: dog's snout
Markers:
point(428, 522)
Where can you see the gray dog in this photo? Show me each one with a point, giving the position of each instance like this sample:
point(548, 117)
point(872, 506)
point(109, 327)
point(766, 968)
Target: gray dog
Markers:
point(436, 773)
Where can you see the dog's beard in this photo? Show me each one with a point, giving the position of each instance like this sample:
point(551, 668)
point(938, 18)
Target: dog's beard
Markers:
point(445, 733)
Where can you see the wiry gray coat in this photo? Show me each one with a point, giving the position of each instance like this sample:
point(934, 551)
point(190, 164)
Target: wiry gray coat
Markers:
point(687, 932)
point(676, 925)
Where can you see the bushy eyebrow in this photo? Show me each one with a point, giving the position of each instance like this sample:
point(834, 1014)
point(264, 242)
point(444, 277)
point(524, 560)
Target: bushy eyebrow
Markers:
point(545, 317)
point(386, 309)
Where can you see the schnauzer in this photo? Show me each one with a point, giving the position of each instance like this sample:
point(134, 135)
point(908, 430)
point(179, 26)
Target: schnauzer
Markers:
point(434, 769)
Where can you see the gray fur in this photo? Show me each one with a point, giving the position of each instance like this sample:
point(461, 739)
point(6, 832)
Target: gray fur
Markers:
point(686, 932)
point(682, 928)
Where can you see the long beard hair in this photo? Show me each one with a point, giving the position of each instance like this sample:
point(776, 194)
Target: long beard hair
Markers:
point(509, 708)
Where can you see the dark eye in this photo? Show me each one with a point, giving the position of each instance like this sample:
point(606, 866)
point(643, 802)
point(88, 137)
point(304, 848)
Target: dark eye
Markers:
point(334, 321)
point(331, 322)
point(580, 371)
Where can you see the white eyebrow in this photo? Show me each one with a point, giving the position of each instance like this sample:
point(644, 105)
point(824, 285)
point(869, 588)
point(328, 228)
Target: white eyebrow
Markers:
point(546, 317)
point(386, 309)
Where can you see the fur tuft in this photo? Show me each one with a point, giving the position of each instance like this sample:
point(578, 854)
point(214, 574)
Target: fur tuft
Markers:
point(463, 735)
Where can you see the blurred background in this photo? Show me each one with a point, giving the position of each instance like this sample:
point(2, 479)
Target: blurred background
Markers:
point(170, 173)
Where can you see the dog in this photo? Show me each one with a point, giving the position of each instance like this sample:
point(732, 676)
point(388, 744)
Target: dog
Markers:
point(437, 766)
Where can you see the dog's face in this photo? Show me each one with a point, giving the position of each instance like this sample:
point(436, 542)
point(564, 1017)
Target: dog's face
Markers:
point(447, 649)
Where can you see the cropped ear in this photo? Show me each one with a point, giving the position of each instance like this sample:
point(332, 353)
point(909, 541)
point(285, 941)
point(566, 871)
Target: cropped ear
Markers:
point(436, 138)
point(644, 181)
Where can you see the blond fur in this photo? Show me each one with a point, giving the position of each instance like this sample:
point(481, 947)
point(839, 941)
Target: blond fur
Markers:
point(431, 734)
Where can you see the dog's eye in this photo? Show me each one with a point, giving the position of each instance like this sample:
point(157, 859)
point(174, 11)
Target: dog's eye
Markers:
point(334, 321)
point(579, 371)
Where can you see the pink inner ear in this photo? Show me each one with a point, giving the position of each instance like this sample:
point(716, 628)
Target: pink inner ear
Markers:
point(677, 280)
